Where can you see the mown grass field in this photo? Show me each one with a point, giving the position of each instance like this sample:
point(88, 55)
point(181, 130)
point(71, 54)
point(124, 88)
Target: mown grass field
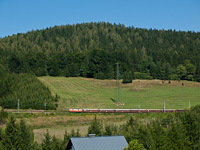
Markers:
point(82, 125)
point(92, 93)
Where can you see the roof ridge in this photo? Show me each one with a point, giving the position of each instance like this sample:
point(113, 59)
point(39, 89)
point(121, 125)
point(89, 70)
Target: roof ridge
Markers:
point(99, 136)
point(110, 142)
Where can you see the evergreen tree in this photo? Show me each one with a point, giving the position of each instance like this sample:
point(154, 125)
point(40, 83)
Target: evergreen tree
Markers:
point(66, 139)
point(73, 69)
point(110, 72)
point(146, 138)
point(46, 143)
point(12, 137)
point(57, 144)
point(159, 136)
point(26, 136)
point(78, 133)
point(135, 145)
point(127, 77)
point(95, 127)
point(15, 64)
point(130, 131)
point(2, 138)
point(178, 136)
point(100, 75)
point(108, 130)
point(67, 73)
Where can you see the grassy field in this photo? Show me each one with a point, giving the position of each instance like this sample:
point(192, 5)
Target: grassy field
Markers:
point(59, 130)
point(57, 125)
point(92, 93)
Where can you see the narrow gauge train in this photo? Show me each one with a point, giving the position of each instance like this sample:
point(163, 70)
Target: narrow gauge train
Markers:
point(125, 110)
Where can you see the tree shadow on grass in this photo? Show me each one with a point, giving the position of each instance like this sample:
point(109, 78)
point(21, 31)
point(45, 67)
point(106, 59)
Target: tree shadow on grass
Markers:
point(113, 100)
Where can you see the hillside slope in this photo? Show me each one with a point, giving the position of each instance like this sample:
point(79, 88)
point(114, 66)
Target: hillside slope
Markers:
point(93, 93)
point(92, 50)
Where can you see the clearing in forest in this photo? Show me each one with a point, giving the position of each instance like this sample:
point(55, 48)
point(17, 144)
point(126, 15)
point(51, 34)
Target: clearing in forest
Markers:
point(80, 92)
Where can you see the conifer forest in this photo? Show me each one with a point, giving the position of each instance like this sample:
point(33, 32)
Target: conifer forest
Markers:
point(93, 49)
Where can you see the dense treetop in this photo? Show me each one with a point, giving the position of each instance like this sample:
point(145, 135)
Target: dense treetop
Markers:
point(92, 50)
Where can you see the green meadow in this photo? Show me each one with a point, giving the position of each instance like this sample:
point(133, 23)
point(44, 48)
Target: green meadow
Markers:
point(92, 93)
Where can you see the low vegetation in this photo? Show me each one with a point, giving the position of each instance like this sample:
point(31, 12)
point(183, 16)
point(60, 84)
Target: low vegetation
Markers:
point(93, 93)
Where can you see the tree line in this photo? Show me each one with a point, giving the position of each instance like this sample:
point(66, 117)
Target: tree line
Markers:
point(176, 131)
point(179, 131)
point(92, 50)
point(26, 90)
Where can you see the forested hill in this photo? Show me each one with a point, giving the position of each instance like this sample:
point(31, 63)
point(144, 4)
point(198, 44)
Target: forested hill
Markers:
point(92, 50)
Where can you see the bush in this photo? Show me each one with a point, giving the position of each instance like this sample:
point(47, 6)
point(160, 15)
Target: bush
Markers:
point(135, 145)
point(190, 78)
point(127, 77)
point(100, 75)
point(140, 75)
point(3, 116)
point(174, 77)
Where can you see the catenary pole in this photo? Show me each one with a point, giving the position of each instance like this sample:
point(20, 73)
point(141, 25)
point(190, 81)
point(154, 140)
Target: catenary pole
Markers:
point(45, 106)
point(18, 106)
point(139, 106)
point(189, 104)
point(164, 106)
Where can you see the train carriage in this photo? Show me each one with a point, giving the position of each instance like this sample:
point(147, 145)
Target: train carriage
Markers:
point(169, 110)
point(91, 110)
point(134, 110)
point(155, 110)
point(107, 110)
point(122, 110)
point(142, 111)
point(180, 110)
